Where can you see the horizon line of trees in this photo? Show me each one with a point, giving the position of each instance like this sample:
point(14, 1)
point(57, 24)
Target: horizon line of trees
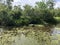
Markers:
point(42, 13)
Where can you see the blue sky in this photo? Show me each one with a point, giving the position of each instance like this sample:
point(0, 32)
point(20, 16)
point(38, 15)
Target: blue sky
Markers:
point(57, 3)
point(32, 2)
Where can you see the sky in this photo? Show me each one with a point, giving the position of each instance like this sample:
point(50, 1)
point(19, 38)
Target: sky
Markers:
point(57, 4)
point(32, 2)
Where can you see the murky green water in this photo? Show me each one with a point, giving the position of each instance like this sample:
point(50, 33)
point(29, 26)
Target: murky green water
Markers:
point(29, 37)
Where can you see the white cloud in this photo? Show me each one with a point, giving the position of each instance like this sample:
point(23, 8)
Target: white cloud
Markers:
point(23, 2)
point(31, 2)
point(57, 4)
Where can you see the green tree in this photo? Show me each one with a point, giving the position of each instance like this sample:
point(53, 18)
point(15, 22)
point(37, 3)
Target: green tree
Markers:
point(46, 15)
point(51, 4)
point(8, 3)
point(40, 14)
point(41, 5)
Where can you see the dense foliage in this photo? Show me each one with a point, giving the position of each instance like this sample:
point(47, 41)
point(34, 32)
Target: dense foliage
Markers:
point(42, 13)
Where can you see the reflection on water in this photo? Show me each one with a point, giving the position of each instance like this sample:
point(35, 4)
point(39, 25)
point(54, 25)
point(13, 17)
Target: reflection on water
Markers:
point(56, 31)
point(29, 37)
point(55, 36)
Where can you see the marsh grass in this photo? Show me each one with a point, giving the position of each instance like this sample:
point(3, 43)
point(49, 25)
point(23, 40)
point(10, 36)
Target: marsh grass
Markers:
point(31, 36)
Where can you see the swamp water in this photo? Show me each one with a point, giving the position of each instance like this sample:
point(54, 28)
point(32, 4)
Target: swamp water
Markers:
point(30, 36)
